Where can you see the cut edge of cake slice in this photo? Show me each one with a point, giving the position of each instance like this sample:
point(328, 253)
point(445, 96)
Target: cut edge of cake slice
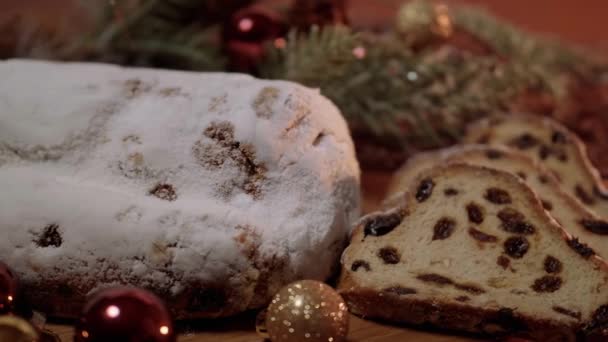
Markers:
point(502, 275)
point(410, 170)
point(550, 143)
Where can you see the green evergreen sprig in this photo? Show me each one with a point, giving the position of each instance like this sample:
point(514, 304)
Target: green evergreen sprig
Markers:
point(417, 100)
point(157, 33)
point(400, 95)
point(421, 99)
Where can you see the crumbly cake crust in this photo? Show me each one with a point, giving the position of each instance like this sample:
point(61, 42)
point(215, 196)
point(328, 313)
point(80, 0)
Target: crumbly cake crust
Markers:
point(511, 271)
point(213, 190)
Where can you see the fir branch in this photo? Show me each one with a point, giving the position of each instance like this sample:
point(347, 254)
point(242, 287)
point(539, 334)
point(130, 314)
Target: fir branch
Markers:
point(371, 91)
point(306, 57)
point(421, 99)
point(545, 58)
point(149, 33)
point(404, 97)
point(196, 59)
point(118, 27)
point(158, 30)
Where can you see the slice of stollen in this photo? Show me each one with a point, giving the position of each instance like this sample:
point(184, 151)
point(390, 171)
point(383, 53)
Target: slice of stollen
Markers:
point(409, 171)
point(507, 269)
point(572, 215)
point(550, 143)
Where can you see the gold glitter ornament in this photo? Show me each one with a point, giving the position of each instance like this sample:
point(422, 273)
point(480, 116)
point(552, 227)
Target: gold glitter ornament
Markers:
point(307, 310)
point(15, 329)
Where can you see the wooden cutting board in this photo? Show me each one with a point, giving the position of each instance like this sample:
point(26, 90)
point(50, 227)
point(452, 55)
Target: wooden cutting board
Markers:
point(242, 328)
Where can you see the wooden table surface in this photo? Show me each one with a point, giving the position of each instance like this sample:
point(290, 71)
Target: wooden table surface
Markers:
point(360, 331)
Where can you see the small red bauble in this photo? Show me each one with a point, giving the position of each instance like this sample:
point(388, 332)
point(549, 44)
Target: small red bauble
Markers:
point(8, 289)
point(125, 314)
point(245, 34)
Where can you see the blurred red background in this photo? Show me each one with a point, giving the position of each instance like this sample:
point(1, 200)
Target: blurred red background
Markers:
point(580, 22)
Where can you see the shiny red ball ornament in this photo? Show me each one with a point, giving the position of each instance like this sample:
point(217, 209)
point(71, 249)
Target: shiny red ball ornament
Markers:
point(8, 289)
point(124, 314)
point(245, 35)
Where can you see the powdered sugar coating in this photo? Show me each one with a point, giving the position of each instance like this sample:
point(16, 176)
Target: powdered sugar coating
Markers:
point(174, 181)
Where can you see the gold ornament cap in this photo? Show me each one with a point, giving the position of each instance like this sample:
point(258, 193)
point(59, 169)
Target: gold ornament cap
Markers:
point(307, 310)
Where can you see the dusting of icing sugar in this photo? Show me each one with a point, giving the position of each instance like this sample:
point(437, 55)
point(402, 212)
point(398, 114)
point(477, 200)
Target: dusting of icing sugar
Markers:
point(218, 103)
point(221, 149)
point(157, 179)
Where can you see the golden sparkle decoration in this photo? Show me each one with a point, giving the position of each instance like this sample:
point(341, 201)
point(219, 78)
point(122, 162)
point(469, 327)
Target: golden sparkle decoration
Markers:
point(307, 310)
point(15, 329)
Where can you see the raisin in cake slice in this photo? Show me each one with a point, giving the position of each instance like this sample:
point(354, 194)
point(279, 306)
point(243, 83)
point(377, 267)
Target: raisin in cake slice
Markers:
point(573, 216)
point(547, 141)
point(506, 269)
point(409, 171)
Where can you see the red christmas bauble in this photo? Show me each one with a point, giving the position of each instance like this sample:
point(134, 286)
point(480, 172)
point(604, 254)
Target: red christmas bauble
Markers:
point(125, 314)
point(8, 289)
point(245, 34)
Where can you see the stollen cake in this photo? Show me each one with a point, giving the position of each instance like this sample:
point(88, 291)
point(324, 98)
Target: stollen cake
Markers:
point(472, 249)
point(573, 216)
point(212, 190)
point(554, 146)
